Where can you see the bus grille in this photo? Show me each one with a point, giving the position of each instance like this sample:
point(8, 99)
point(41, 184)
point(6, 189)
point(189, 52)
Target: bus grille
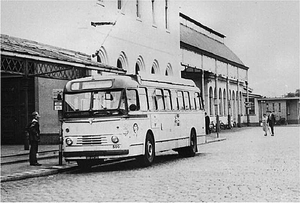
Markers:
point(92, 140)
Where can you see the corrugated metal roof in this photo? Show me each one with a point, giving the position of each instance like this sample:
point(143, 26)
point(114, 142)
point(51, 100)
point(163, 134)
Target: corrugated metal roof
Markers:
point(206, 44)
point(30, 49)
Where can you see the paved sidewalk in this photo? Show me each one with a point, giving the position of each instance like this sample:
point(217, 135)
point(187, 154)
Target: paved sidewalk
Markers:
point(15, 164)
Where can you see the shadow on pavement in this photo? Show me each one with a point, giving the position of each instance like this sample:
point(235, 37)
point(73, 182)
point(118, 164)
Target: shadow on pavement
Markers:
point(133, 164)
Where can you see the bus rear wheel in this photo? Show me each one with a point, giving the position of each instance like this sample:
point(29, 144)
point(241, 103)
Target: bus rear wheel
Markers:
point(148, 158)
point(191, 150)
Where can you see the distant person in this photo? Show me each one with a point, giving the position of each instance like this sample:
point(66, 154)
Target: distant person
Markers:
point(271, 122)
point(265, 124)
point(33, 130)
point(207, 123)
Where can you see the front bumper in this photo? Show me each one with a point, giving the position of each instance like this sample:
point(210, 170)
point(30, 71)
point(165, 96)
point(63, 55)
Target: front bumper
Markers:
point(99, 153)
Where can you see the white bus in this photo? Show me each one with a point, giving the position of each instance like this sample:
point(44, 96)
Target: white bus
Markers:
point(121, 116)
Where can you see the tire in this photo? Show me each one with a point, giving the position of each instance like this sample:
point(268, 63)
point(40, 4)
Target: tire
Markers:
point(148, 158)
point(191, 150)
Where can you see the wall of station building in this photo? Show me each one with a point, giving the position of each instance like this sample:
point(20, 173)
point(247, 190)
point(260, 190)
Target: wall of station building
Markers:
point(230, 86)
point(49, 121)
point(147, 37)
point(283, 108)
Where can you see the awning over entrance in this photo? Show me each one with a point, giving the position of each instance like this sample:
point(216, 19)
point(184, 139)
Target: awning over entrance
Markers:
point(29, 58)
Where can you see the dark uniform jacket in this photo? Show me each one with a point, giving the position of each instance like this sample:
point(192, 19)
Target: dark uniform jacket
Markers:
point(33, 130)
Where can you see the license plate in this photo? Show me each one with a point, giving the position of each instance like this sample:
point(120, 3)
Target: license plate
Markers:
point(92, 157)
point(116, 146)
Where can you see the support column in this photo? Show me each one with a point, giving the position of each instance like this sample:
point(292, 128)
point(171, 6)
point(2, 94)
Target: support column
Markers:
point(203, 88)
point(247, 100)
point(26, 138)
point(228, 100)
point(217, 101)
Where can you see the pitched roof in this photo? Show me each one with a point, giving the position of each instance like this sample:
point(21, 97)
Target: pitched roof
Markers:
point(208, 46)
point(12, 46)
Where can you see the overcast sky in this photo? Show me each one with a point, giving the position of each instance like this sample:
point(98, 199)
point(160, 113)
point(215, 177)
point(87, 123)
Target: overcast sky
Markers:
point(263, 34)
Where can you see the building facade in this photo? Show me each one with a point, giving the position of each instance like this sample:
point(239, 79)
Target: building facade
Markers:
point(133, 37)
point(221, 75)
point(153, 37)
point(286, 109)
point(141, 37)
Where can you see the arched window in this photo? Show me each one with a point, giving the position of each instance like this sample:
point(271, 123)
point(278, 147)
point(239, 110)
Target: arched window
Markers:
point(220, 103)
point(102, 55)
point(155, 68)
point(211, 101)
point(119, 64)
point(169, 71)
point(122, 61)
point(140, 65)
point(137, 69)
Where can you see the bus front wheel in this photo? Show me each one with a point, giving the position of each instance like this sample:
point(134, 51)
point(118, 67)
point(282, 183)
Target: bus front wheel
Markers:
point(148, 158)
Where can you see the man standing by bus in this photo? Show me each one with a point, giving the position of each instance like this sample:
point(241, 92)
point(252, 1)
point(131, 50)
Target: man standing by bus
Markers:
point(271, 121)
point(33, 129)
point(207, 123)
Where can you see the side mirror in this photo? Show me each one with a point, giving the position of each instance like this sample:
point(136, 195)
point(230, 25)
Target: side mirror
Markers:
point(132, 107)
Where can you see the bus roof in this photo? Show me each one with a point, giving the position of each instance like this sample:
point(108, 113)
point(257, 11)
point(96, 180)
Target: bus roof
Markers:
point(130, 81)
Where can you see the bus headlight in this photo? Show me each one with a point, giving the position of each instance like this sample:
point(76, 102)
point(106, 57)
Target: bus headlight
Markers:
point(114, 139)
point(69, 141)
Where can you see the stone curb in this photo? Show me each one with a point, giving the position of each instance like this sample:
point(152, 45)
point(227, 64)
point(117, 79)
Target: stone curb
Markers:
point(26, 160)
point(215, 140)
point(37, 173)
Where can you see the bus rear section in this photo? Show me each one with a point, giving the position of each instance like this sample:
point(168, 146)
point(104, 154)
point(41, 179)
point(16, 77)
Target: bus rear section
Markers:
point(117, 117)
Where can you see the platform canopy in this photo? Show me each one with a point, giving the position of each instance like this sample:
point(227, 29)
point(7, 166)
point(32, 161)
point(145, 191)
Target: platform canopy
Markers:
point(21, 57)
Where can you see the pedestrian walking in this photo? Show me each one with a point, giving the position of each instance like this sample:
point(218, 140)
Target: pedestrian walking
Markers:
point(271, 122)
point(33, 130)
point(265, 124)
point(207, 122)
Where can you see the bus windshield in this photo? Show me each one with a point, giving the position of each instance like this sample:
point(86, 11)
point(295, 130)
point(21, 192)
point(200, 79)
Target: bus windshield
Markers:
point(97, 103)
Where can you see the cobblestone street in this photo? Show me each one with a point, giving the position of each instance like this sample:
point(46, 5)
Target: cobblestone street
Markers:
point(246, 167)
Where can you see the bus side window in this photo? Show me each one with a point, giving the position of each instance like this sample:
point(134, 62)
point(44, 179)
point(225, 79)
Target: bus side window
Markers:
point(159, 99)
point(132, 100)
point(180, 100)
point(167, 99)
point(174, 100)
point(151, 99)
point(197, 101)
point(201, 101)
point(186, 100)
point(192, 101)
point(143, 99)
